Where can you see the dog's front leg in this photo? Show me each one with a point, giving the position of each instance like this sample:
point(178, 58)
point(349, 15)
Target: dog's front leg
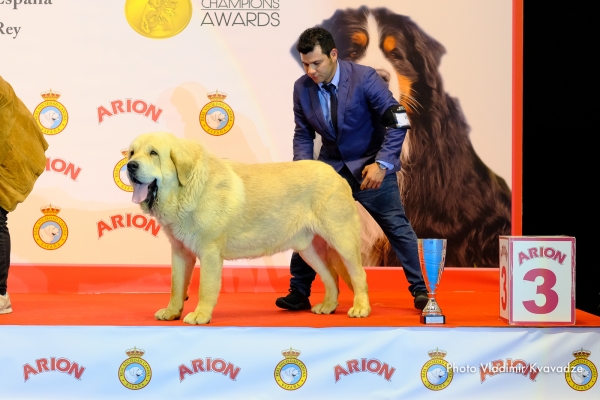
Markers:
point(211, 268)
point(182, 266)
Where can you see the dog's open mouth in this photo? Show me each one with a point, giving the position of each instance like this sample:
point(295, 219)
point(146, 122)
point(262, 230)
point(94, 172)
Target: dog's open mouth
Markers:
point(144, 192)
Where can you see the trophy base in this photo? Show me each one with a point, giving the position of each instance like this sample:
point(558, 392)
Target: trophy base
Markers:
point(433, 319)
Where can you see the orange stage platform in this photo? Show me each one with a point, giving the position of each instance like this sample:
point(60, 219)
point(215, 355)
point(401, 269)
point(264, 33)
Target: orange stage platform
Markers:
point(129, 296)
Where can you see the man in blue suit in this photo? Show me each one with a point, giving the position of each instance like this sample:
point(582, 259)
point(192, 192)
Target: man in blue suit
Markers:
point(346, 103)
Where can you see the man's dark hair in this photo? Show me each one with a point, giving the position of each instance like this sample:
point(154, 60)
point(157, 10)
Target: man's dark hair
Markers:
point(313, 37)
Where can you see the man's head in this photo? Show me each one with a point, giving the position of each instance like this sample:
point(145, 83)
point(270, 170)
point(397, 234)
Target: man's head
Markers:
point(318, 54)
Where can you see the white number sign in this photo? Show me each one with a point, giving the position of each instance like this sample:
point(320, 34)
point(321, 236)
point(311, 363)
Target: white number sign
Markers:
point(537, 280)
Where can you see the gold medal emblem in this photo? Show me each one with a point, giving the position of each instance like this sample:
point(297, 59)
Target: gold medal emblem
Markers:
point(216, 117)
point(51, 115)
point(290, 373)
point(135, 372)
point(436, 374)
point(582, 374)
point(50, 232)
point(158, 19)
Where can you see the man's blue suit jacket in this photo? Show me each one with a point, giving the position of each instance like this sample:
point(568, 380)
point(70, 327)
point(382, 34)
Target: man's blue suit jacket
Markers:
point(363, 96)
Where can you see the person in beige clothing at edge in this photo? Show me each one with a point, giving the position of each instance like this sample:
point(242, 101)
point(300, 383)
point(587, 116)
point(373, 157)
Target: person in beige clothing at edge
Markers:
point(22, 161)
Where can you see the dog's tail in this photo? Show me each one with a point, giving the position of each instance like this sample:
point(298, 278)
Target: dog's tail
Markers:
point(372, 248)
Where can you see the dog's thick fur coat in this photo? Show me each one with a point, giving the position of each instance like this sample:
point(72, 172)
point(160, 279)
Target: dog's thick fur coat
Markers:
point(216, 210)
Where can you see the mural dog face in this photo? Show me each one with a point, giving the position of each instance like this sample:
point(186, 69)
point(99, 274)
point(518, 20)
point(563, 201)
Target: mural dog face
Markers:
point(401, 53)
point(447, 191)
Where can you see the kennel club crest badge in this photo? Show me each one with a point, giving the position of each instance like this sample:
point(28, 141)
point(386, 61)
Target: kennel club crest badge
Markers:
point(290, 373)
point(582, 373)
point(120, 173)
point(51, 115)
point(216, 117)
point(158, 19)
point(50, 232)
point(436, 374)
point(135, 372)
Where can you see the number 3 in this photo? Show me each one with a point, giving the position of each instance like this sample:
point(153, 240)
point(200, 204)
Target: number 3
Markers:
point(503, 296)
point(545, 288)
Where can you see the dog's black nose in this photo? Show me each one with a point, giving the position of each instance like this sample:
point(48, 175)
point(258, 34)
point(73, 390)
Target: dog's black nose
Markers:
point(132, 166)
point(384, 74)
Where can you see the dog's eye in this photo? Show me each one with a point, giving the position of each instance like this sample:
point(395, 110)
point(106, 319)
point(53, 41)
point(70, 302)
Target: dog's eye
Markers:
point(395, 55)
point(353, 54)
point(153, 153)
point(131, 154)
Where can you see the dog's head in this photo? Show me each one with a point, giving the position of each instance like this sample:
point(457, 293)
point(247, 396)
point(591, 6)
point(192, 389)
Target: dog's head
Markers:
point(215, 118)
point(51, 230)
point(435, 375)
point(401, 52)
point(288, 375)
point(133, 374)
point(49, 233)
point(50, 115)
point(580, 374)
point(218, 116)
point(159, 163)
point(48, 118)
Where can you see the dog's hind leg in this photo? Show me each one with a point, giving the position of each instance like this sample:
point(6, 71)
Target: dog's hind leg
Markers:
point(330, 301)
point(361, 307)
point(329, 257)
point(182, 266)
point(211, 270)
point(337, 266)
point(348, 249)
point(339, 226)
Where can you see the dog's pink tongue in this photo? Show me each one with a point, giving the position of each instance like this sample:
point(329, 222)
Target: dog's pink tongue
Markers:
point(140, 192)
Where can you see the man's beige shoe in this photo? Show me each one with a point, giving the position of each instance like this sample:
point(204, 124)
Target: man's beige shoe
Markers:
point(5, 306)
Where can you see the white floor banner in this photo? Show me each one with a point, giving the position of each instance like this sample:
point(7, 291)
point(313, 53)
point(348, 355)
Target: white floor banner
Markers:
point(278, 363)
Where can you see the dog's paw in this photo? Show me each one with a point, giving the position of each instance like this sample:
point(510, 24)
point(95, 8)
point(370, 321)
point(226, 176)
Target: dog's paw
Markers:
point(197, 318)
point(166, 314)
point(359, 312)
point(325, 308)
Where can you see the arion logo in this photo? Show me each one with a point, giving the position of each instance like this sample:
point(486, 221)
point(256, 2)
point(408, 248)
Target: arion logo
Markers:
point(129, 106)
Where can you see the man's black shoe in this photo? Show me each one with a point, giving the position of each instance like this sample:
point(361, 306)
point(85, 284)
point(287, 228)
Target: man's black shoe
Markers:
point(421, 299)
point(294, 301)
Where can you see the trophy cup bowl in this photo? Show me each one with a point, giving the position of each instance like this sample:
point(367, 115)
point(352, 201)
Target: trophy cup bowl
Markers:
point(432, 256)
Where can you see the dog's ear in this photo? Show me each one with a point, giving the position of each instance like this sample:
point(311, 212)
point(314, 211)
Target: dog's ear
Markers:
point(428, 55)
point(184, 163)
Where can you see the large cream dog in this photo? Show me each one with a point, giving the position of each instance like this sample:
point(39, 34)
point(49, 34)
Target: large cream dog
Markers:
point(216, 210)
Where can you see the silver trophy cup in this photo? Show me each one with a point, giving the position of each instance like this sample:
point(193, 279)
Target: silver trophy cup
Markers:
point(432, 256)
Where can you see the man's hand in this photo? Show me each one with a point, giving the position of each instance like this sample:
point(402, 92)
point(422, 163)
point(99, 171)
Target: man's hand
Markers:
point(372, 177)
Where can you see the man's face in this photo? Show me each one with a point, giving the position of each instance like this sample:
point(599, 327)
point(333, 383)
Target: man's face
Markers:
point(318, 66)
